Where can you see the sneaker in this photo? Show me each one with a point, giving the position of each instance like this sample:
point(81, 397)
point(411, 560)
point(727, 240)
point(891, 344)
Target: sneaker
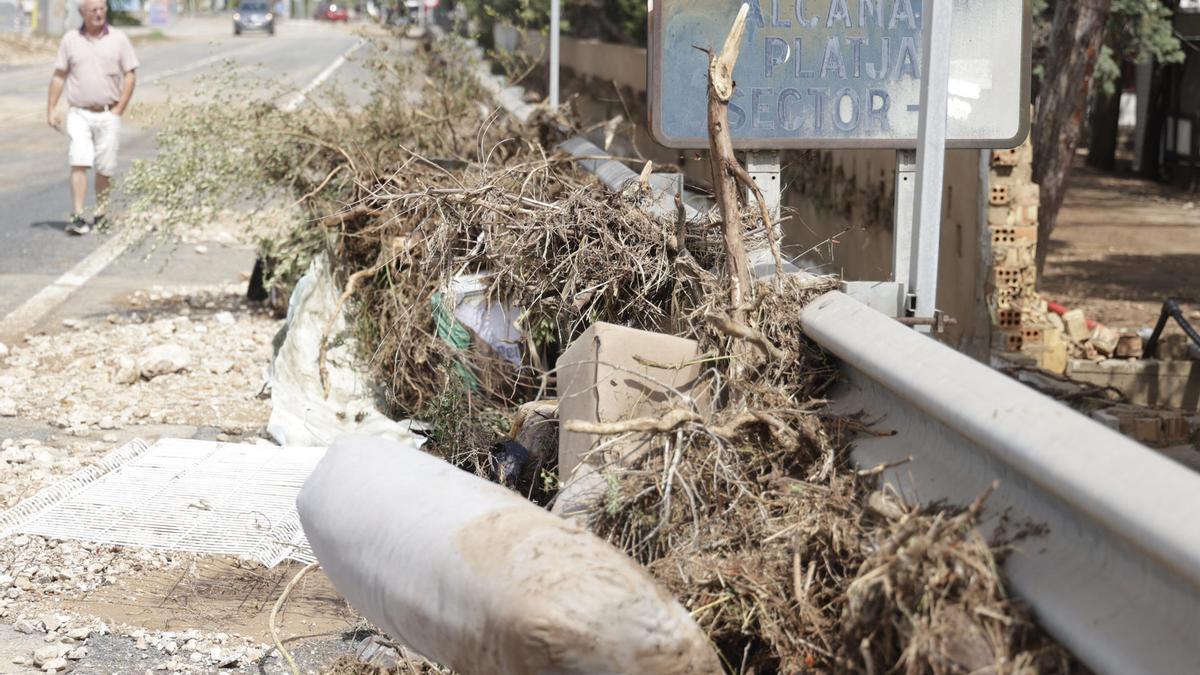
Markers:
point(78, 225)
point(99, 222)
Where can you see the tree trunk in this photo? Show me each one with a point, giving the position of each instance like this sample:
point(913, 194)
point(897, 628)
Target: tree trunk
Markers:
point(1104, 121)
point(1075, 40)
point(721, 157)
point(1156, 124)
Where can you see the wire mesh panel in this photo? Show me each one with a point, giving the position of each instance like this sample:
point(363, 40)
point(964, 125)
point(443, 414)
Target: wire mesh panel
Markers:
point(180, 495)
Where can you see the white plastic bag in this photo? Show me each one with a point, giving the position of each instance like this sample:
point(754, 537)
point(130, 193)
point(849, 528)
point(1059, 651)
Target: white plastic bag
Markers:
point(301, 414)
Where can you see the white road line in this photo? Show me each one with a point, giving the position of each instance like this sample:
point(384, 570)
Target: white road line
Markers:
point(23, 319)
point(298, 99)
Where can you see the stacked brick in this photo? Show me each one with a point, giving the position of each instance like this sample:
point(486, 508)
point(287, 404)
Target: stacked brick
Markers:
point(1023, 331)
point(1027, 329)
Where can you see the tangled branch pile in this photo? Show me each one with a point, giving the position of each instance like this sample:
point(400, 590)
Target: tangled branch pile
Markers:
point(752, 515)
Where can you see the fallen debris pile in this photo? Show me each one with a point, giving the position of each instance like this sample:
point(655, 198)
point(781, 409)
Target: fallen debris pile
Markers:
point(747, 510)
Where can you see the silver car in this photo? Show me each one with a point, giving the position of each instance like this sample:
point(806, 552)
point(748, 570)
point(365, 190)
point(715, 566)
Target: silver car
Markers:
point(253, 15)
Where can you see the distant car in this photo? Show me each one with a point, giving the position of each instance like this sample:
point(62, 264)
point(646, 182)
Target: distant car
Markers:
point(253, 16)
point(332, 12)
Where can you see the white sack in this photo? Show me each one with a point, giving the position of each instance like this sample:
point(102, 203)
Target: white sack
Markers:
point(469, 574)
point(300, 412)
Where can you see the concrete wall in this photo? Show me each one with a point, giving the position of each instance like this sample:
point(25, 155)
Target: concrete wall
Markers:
point(838, 203)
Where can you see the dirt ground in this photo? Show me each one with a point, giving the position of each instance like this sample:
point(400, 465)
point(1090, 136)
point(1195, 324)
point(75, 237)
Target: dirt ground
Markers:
point(22, 49)
point(1122, 246)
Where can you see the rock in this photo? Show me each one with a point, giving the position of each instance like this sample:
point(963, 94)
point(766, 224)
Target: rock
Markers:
point(8, 407)
point(218, 366)
point(164, 359)
point(79, 633)
point(55, 665)
point(107, 423)
point(77, 653)
point(170, 647)
point(51, 622)
point(3, 350)
point(20, 661)
point(43, 655)
point(110, 438)
point(17, 455)
point(201, 249)
point(28, 627)
point(126, 371)
point(24, 583)
point(223, 318)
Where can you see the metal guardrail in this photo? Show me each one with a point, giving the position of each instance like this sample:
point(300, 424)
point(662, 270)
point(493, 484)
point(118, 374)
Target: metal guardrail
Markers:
point(1115, 574)
point(1116, 578)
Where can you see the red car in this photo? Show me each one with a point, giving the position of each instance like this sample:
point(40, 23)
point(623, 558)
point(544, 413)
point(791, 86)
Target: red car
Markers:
point(332, 12)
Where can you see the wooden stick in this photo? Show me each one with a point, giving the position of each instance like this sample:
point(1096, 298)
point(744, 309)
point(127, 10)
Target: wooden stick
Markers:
point(720, 157)
point(734, 328)
point(743, 177)
point(272, 620)
point(665, 424)
point(680, 224)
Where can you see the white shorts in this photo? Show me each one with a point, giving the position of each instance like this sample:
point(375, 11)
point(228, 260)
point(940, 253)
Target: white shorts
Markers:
point(94, 139)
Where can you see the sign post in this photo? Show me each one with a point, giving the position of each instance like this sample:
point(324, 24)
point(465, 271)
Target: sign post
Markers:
point(555, 28)
point(854, 74)
point(931, 161)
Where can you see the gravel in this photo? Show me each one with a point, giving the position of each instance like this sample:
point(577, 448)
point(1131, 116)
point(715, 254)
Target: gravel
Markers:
point(182, 356)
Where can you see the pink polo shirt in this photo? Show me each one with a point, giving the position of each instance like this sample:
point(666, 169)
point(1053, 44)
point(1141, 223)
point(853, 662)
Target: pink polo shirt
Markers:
point(95, 66)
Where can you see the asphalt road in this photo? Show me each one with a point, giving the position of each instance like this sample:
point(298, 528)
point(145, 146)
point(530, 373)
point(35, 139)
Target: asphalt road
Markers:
point(35, 199)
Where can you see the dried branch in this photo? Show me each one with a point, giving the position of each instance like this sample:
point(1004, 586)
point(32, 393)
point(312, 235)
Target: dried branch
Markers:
point(662, 425)
point(736, 329)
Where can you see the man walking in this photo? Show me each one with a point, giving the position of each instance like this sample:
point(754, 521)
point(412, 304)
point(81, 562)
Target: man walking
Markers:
point(97, 65)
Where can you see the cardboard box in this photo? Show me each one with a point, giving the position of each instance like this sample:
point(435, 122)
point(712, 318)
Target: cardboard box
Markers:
point(614, 373)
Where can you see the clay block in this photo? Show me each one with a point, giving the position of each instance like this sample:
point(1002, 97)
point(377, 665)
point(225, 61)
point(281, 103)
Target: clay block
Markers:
point(611, 373)
point(999, 216)
point(1128, 347)
point(1008, 318)
point(1006, 341)
point(999, 195)
point(1003, 236)
point(1076, 324)
point(1006, 277)
point(1105, 339)
point(1031, 335)
point(1008, 157)
point(1003, 298)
